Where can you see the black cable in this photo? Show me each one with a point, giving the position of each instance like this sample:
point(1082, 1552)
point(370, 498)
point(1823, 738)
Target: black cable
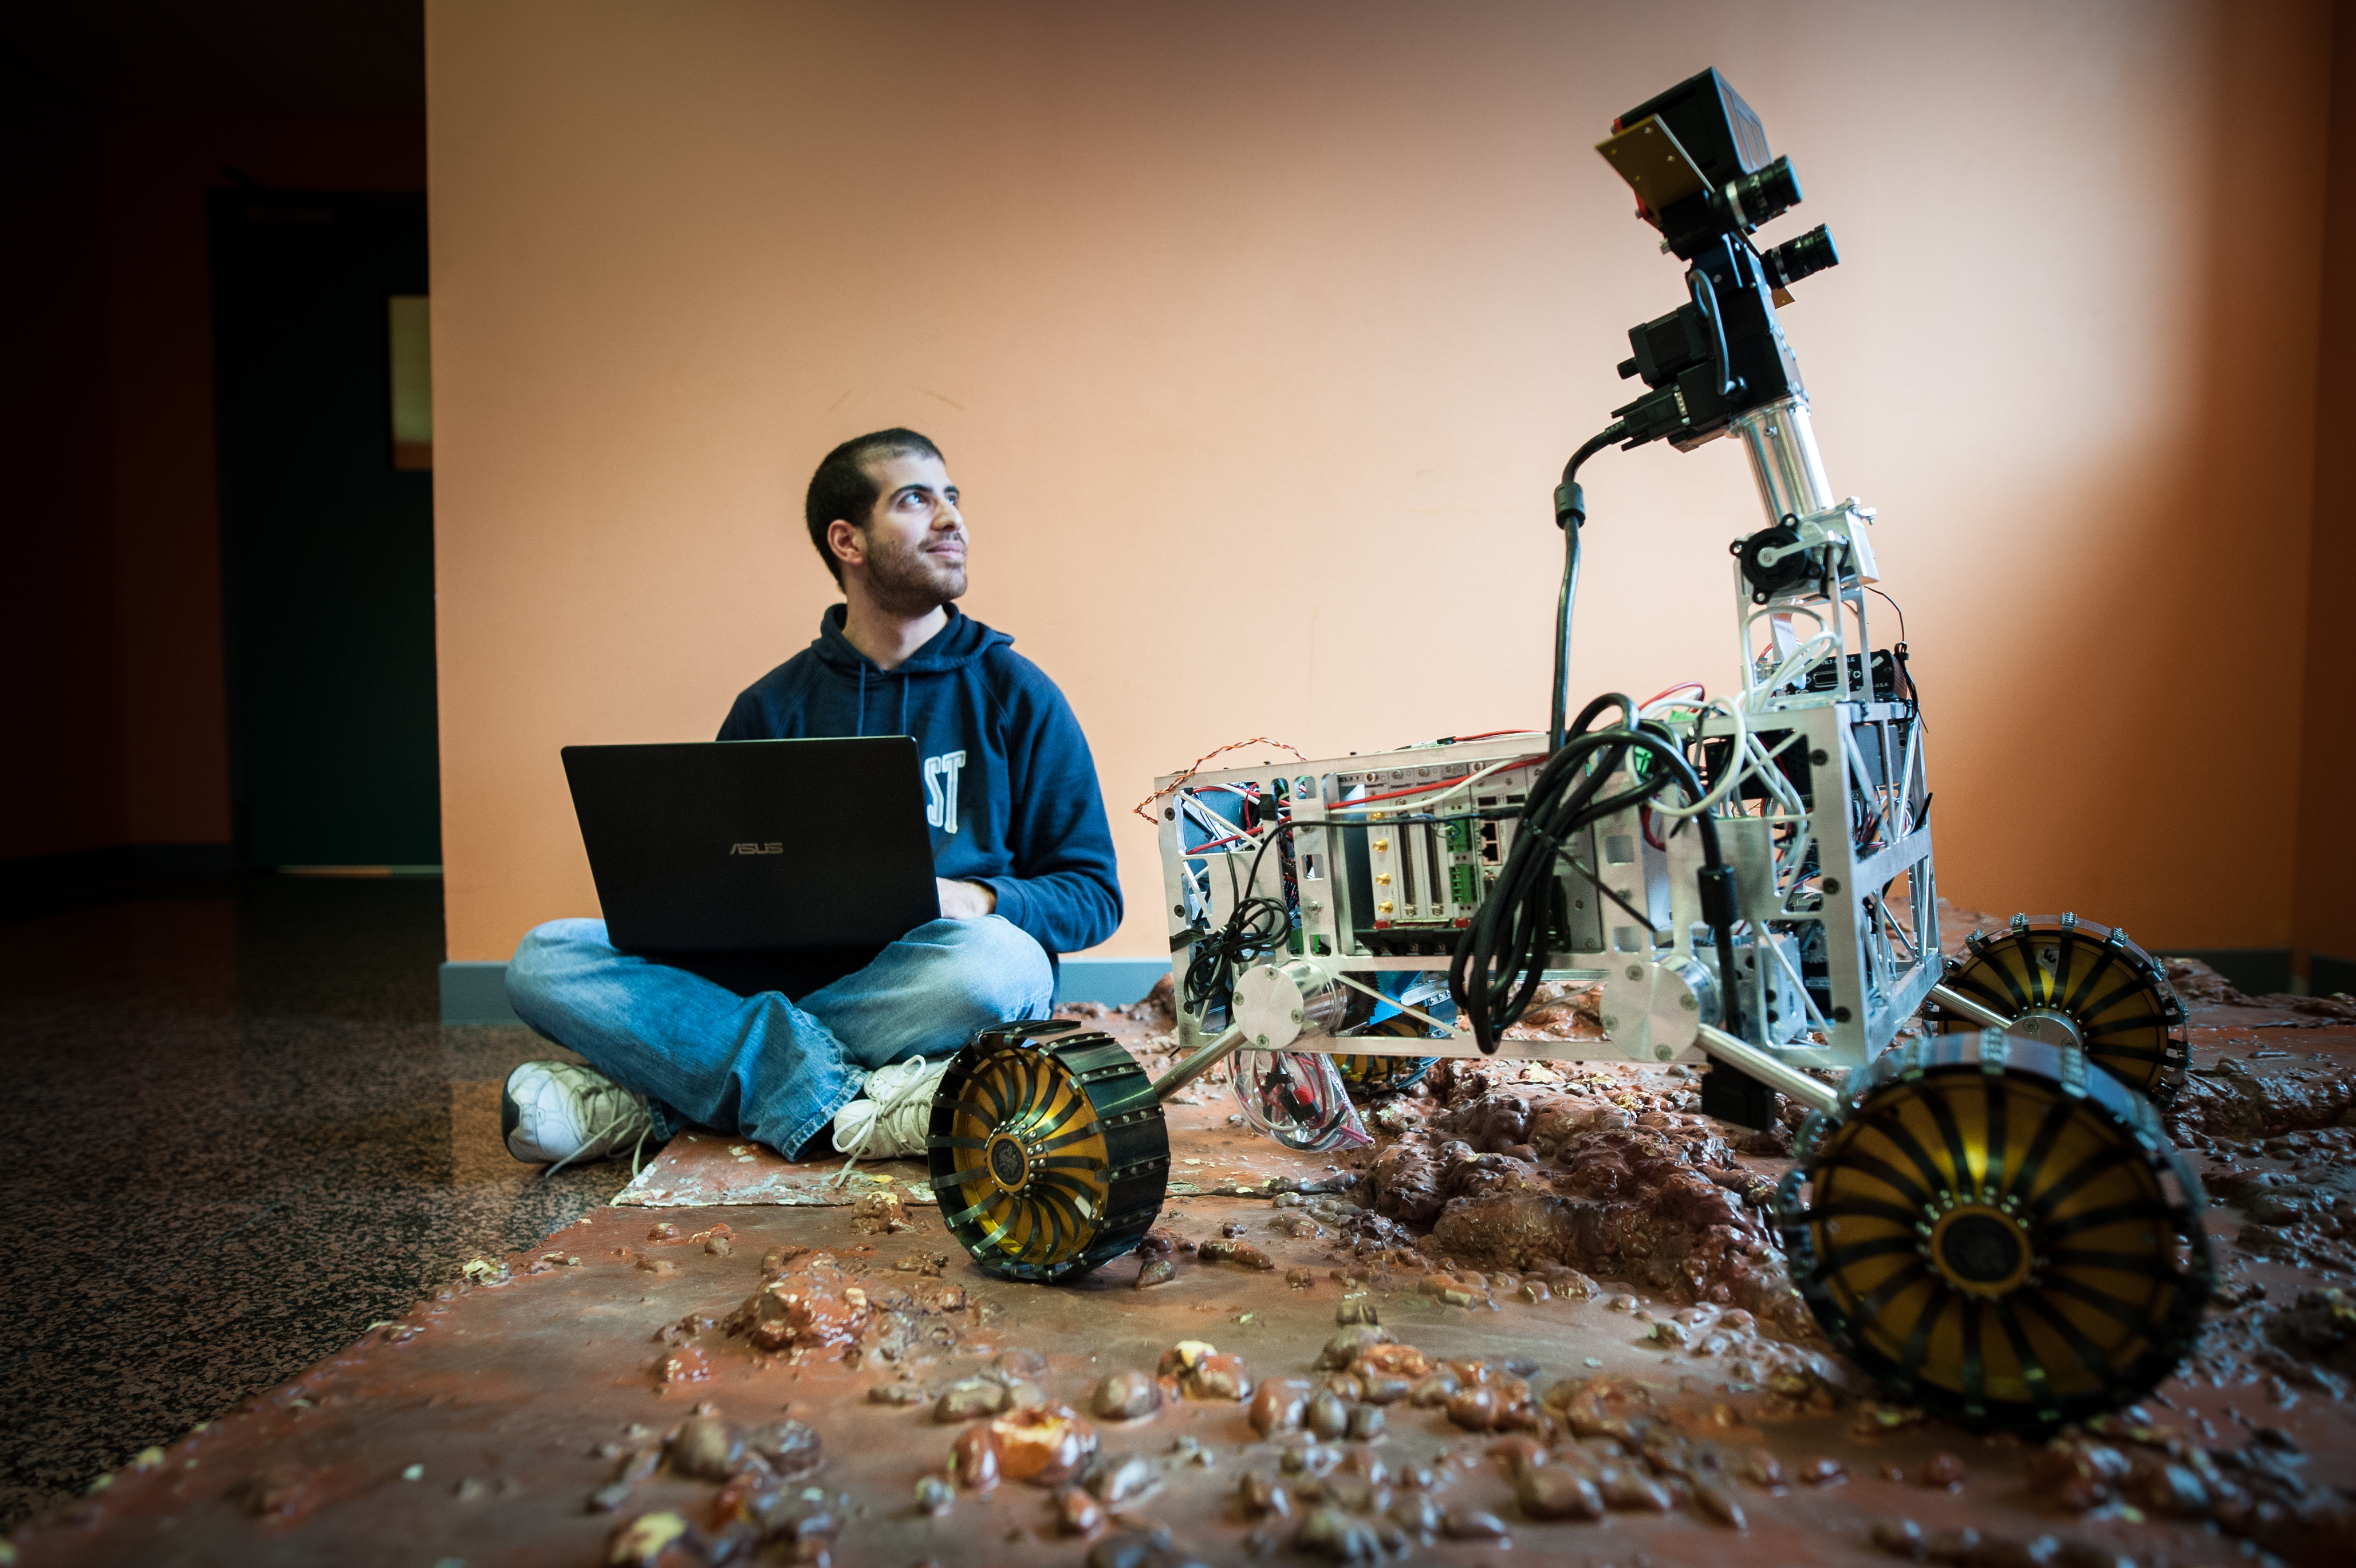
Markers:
point(1255, 926)
point(1570, 515)
point(1563, 597)
point(1894, 604)
point(1705, 299)
point(1502, 956)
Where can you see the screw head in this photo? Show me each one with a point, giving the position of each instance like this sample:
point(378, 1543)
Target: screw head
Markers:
point(1611, 1021)
point(1296, 1014)
point(1688, 1004)
point(1169, 813)
point(1635, 972)
point(1259, 1039)
point(1662, 1053)
point(1817, 758)
point(1832, 884)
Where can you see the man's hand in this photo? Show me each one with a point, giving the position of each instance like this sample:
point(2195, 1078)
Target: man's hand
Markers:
point(966, 901)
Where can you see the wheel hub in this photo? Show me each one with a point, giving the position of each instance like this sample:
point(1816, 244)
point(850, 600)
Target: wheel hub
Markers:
point(1980, 1249)
point(2051, 1025)
point(1010, 1163)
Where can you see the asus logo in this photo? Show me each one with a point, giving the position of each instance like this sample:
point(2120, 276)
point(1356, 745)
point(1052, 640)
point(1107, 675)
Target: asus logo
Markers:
point(756, 849)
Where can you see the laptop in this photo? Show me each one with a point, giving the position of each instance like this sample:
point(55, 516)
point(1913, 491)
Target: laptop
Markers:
point(746, 846)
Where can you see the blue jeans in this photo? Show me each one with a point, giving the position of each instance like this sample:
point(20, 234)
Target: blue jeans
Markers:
point(761, 1066)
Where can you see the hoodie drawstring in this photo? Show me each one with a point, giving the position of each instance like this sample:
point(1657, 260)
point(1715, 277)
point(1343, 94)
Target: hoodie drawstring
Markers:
point(904, 704)
point(863, 699)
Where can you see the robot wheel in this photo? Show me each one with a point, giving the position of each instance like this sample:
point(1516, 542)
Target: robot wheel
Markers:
point(1048, 1153)
point(2076, 983)
point(1368, 1075)
point(1998, 1234)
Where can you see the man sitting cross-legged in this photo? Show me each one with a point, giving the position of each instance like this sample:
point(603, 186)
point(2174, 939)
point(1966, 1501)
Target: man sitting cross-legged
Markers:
point(1023, 852)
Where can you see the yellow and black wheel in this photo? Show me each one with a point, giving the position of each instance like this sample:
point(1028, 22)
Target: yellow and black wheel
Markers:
point(1997, 1233)
point(1048, 1153)
point(1371, 1075)
point(2072, 981)
point(1367, 1076)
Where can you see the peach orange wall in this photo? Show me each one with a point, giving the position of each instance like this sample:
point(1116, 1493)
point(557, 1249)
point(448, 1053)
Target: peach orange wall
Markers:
point(1256, 333)
point(2325, 921)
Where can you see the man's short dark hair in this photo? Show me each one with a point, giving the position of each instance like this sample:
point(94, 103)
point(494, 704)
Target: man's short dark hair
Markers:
point(841, 488)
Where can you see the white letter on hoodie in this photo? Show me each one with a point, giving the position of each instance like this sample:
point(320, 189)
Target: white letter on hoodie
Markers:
point(941, 788)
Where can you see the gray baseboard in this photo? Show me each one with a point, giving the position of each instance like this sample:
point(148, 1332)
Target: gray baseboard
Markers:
point(1115, 982)
point(2330, 976)
point(2256, 971)
point(475, 990)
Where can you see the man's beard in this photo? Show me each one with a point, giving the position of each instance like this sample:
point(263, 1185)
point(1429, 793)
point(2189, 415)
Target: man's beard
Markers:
point(905, 581)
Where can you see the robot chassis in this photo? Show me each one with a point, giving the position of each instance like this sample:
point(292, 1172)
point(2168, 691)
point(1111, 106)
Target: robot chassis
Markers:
point(1985, 1214)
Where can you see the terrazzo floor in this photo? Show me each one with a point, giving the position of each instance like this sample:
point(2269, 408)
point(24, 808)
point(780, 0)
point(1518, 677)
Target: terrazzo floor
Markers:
point(237, 1136)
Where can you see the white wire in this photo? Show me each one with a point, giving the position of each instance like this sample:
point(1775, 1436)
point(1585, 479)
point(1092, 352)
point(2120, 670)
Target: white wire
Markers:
point(1421, 803)
point(1449, 1031)
point(1734, 775)
point(1762, 767)
point(1808, 653)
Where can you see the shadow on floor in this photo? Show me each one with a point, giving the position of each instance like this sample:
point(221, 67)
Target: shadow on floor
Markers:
point(238, 1135)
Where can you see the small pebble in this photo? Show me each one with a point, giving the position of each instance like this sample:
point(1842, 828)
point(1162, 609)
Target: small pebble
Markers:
point(1260, 1496)
point(1899, 1536)
point(1557, 1491)
point(1718, 1503)
point(1944, 1469)
point(1126, 1396)
point(1076, 1513)
point(1472, 1524)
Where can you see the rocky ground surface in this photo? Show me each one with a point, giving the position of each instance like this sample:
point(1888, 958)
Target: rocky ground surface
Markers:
point(1542, 1308)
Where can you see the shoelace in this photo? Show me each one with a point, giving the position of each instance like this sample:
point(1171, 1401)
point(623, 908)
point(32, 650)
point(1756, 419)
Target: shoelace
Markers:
point(592, 1141)
point(903, 1093)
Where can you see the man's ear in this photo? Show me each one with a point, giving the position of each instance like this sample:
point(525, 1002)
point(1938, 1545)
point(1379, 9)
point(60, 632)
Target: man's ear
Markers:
point(845, 542)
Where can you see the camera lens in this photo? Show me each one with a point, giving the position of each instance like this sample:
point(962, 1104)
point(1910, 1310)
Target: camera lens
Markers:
point(1770, 191)
point(1804, 257)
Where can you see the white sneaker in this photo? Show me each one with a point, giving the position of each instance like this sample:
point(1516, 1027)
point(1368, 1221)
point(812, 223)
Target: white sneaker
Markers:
point(554, 1113)
point(891, 1115)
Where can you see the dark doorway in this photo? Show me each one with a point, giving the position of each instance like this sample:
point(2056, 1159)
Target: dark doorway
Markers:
point(326, 533)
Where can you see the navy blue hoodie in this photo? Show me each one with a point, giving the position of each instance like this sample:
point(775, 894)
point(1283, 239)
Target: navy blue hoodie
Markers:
point(1010, 788)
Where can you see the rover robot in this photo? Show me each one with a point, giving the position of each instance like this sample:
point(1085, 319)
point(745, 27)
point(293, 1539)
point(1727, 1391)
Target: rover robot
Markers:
point(1984, 1212)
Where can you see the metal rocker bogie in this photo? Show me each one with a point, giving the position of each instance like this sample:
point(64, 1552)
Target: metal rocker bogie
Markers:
point(1997, 1232)
point(1047, 1150)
